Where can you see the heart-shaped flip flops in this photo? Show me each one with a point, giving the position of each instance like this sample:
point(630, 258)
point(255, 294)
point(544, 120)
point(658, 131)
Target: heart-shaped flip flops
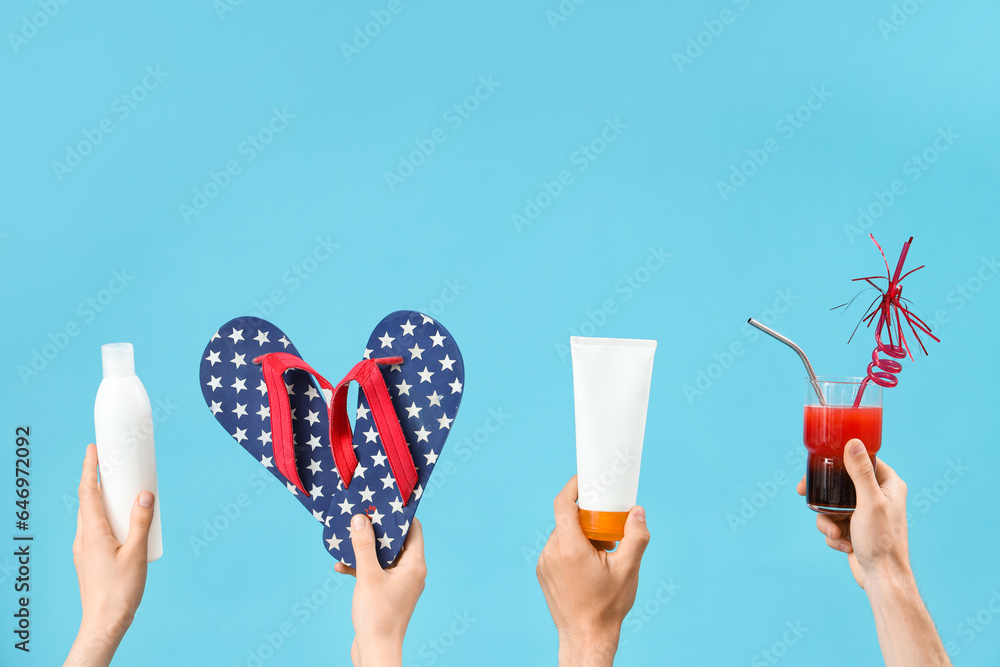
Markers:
point(295, 422)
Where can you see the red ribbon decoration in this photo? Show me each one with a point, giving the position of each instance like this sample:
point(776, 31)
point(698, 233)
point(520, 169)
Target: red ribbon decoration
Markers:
point(892, 311)
point(367, 374)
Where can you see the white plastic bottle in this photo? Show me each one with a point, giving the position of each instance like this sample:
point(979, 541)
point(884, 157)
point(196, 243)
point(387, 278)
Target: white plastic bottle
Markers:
point(123, 421)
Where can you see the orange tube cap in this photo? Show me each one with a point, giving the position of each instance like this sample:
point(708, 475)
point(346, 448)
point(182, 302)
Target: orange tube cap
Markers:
point(606, 526)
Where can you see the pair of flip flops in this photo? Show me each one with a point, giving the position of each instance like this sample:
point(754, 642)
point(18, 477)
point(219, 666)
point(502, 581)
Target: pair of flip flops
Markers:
point(296, 424)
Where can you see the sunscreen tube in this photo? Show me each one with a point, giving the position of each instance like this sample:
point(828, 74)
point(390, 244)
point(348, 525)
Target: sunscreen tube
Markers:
point(123, 422)
point(611, 378)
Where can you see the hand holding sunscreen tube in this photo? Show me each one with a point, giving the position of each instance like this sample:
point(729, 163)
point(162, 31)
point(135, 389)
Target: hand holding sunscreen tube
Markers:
point(611, 378)
point(123, 422)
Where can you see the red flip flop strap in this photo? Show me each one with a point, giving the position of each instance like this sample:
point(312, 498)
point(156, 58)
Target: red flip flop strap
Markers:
point(369, 377)
point(274, 366)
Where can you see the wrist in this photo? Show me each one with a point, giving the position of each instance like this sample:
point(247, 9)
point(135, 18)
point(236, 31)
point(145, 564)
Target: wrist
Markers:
point(890, 582)
point(94, 646)
point(588, 649)
point(105, 627)
point(380, 654)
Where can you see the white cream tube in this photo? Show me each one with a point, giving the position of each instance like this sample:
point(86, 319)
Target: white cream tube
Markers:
point(611, 378)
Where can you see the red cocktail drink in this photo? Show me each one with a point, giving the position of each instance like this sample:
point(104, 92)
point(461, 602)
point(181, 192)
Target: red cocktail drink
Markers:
point(827, 429)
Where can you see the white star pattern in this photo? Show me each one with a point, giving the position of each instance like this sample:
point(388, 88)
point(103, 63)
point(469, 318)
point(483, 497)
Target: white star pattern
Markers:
point(425, 418)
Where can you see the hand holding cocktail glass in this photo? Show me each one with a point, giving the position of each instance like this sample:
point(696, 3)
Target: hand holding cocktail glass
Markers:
point(840, 409)
point(861, 501)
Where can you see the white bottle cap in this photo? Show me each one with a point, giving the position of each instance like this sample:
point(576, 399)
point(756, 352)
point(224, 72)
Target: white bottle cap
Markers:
point(119, 360)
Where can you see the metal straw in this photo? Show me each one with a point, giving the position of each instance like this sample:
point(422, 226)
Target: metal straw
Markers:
point(802, 355)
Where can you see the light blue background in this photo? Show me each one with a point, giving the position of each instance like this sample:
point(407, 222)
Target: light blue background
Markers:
point(521, 294)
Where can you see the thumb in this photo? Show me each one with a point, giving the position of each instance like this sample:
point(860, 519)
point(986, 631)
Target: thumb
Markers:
point(139, 523)
point(633, 545)
point(859, 467)
point(363, 541)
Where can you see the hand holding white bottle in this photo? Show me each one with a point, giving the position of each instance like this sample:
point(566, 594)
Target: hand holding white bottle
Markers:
point(123, 421)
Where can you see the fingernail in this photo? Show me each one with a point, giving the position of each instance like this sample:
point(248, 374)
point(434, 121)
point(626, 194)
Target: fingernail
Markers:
point(857, 448)
point(846, 548)
point(357, 522)
point(639, 514)
point(146, 499)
